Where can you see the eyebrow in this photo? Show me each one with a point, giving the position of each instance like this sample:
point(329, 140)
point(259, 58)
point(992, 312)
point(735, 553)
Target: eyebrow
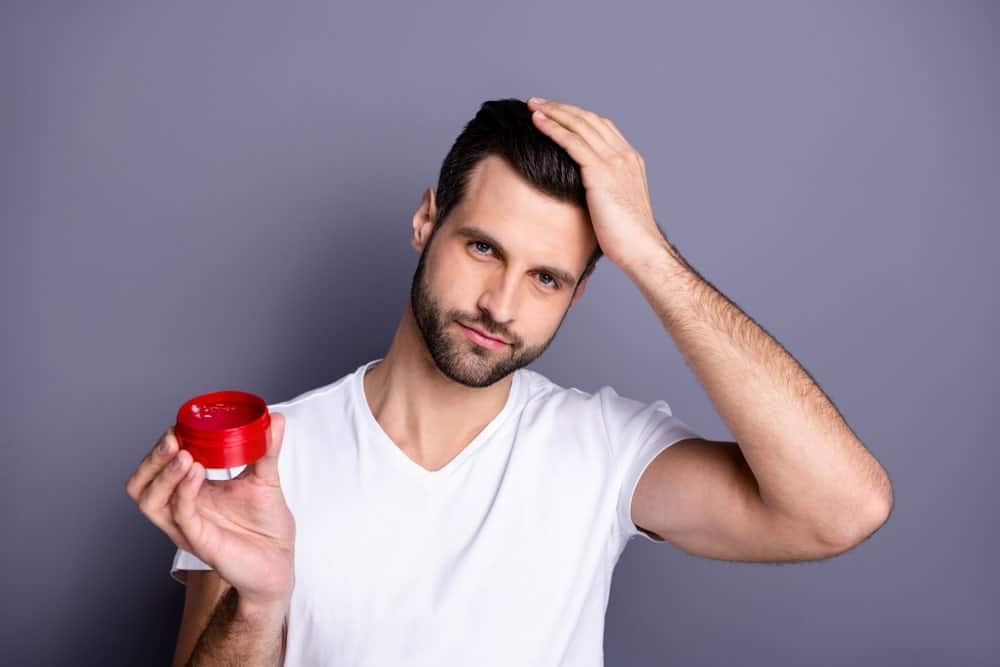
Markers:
point(477, 234)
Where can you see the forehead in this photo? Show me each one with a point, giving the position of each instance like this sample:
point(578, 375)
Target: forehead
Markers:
point(526, 220)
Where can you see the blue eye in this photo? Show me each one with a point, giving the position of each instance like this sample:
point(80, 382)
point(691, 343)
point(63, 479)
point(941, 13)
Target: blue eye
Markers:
point(554, 283)
point(480, 243)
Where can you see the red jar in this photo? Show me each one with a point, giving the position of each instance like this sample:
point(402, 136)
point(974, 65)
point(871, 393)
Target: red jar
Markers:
point(224, 429)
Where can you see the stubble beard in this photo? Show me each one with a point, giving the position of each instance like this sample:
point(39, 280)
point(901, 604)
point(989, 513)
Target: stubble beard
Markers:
point(463, 360)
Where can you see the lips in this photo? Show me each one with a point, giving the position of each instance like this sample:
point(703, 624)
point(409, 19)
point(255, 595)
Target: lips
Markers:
point(483, 334)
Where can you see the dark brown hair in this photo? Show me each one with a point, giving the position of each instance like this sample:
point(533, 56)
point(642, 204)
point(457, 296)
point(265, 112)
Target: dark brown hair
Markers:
point(504, 128)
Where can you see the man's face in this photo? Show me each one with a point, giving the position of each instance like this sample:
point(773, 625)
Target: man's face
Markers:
point(505, 262)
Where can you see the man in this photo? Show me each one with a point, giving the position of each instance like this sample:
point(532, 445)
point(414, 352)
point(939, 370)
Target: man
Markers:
point(446, 505)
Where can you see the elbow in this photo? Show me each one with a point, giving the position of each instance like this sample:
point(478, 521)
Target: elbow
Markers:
point(882, 511)
point(875, 513)
point(880, 507)
point(860, 525)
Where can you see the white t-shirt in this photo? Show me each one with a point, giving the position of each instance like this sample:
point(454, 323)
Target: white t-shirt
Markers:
point(502, 557)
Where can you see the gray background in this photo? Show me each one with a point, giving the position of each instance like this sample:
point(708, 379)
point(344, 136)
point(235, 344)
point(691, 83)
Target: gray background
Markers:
point(208, 195)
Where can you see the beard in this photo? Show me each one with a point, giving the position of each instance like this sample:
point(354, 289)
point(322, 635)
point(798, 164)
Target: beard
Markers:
point(462, 360)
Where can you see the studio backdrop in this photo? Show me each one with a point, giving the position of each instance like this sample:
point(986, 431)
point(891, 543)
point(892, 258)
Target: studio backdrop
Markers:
point(198, 196)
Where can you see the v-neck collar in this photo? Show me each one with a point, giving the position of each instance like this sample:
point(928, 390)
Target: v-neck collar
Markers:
point(404, 462)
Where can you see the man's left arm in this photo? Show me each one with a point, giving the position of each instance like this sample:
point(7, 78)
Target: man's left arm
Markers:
point(808, 466)
point(807, 462)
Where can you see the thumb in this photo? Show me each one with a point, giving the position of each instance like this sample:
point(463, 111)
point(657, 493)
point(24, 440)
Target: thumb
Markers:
point(266, 467)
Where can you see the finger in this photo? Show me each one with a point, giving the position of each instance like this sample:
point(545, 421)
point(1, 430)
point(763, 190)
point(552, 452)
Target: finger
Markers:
point(614, 128)
point(154, 501)
point(579, 126)
point(585, 123)
point(578, 149)
point(266, 468)
point(162, 453)
point(601, 125)
point(193, 528)
point(156, 495)
point(173, 531)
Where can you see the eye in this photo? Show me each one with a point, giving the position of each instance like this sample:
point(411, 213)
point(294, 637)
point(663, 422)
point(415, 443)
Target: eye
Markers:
point(554, 284)
point(477, 244)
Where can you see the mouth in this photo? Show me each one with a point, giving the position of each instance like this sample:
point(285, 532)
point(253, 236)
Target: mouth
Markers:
point(481, 334)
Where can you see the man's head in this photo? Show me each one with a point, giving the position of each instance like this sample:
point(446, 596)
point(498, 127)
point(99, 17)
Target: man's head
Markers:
point(512, 247)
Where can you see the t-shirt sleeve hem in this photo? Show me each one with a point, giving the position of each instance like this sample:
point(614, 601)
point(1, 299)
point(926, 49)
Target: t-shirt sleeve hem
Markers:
point(678, 432)
point(184, 561)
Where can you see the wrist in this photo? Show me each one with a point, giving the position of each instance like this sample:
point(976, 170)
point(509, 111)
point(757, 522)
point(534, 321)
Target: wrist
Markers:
point(655, 256)
point(266, 615)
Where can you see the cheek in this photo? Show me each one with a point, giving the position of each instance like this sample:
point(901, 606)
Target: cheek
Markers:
point(453, 282)
point(537, 321)
point(551, 322)
point(452, 274)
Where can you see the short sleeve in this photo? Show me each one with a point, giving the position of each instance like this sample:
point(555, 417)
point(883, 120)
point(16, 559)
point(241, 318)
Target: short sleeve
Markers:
point(185, 560)
point(637, 432)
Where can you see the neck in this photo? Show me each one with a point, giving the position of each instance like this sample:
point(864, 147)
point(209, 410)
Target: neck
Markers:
point(427, 414)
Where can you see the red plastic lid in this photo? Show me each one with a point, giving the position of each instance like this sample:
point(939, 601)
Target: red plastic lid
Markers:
point(224, 429)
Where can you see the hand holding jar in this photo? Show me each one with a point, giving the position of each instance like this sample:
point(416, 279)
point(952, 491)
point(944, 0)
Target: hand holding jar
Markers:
point(241, 527)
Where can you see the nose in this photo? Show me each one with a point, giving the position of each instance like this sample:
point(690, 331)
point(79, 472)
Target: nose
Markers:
point(499, 297)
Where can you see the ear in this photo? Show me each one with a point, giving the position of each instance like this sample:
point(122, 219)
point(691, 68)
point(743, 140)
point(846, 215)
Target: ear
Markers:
point(580, 288)
point(423, 220)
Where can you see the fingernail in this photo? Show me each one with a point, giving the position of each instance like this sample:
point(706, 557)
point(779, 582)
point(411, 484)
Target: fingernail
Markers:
point(176, 463)
point(540, 100)
point(164, 446)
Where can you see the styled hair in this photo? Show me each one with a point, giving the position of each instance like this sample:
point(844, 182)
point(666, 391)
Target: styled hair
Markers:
point(504, 128)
